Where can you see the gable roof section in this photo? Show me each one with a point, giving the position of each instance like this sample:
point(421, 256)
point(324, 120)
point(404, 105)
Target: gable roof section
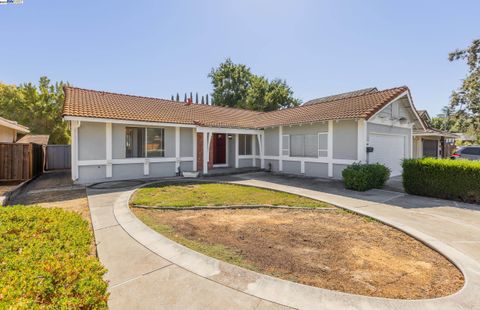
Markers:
point(96, 104)
point(342, 95)
point(13, 125)
point(360, 106)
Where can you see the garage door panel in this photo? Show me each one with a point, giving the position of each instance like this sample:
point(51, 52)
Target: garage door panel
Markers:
point(388, 150)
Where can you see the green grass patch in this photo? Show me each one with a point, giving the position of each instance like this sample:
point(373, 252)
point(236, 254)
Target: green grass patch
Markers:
point(214, 194)
point(45, 261)
point(213, 250)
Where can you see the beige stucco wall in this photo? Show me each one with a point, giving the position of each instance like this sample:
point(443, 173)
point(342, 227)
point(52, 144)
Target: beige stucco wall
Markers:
point(7, 134)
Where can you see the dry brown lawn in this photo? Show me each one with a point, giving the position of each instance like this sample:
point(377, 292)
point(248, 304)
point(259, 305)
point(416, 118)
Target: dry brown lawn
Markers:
point(332, 249)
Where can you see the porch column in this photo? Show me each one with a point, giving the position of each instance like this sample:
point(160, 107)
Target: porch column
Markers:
point(108, 150)
point(236, 150)
point(74, 125)
point(330, 149)
point(362, 141)
point(194, 136)
point(261, 150)
point(177, 149)
point(280, 148)
point(205, 153)
point(254, 151)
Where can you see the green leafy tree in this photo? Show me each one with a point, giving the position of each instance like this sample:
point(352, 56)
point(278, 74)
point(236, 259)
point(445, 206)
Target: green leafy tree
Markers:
point(37, 107)
point(466, 99)
point(234, 85)
point(230, 84)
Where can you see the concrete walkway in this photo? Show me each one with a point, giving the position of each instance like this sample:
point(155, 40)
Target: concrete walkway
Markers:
point(147, 270)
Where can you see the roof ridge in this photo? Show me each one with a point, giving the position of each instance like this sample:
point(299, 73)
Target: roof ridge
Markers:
point(155, 98)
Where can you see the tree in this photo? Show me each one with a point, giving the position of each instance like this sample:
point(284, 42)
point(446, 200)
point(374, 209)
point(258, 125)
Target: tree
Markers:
point(234, 85)
point(230, 84)
point(171, 98)
point(206, 99)
point(196, 97)
point(177, 98)
point(203, 100)
point(37, 107)
point(466, 100)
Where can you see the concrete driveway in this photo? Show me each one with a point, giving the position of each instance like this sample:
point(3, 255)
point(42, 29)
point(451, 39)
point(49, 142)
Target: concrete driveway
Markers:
point(147, 271)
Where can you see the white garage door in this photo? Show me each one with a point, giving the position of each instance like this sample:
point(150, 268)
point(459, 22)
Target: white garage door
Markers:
point(388, 150)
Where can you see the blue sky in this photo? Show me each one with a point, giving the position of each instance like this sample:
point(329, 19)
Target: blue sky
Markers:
point(158, 48)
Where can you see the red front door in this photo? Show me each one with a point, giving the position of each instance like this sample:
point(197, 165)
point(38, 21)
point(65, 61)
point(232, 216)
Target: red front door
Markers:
point(219, 148)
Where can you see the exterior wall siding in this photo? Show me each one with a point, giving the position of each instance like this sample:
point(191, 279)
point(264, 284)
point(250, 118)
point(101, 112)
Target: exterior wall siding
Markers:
point(271, 141)
point(316, 170)
point(271, 164)
point(345, 140)
point(291, 167)
point(92, 141)
point(244, 162)
point(186, 142)
point(337, 171)
point(7, 135)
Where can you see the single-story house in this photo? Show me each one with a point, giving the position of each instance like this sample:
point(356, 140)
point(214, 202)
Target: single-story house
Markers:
point(116, 136)
point(431, 142)
point(10, 129)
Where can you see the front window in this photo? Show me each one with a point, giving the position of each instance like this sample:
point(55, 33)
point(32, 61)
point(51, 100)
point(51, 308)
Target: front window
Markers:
point(304, 145)
point(140, 141)
point(244, 144)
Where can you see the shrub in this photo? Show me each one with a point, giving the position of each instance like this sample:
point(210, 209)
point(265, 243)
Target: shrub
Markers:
point(362, 177)
point(443, 178)
point(45, 261)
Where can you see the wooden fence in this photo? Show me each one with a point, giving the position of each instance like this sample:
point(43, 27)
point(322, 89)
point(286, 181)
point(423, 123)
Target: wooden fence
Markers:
point(58, 157)
point(20, 161)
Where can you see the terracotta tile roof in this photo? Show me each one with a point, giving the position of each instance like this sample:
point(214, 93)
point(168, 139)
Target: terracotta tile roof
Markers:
point(38, 139)
point(360, 106)
point(90, 103)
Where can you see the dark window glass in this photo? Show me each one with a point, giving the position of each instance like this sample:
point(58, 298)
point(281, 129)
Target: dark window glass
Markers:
point(244, 144)
point(134, 142)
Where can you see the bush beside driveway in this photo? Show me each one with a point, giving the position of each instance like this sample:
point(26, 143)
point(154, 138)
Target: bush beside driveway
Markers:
point(443, 178)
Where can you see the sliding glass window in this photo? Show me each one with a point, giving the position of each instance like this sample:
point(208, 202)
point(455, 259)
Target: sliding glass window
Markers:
point(140, 140)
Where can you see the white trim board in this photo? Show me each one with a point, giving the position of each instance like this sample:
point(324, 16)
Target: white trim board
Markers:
point(126, 122)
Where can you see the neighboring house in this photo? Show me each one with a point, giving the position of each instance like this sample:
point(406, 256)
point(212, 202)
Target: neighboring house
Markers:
point(432, 142)
point(38, 139)
point(9, 130)
point(118, 136)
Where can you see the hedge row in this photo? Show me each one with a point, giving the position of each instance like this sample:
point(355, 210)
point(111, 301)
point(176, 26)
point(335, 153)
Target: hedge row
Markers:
point(443, 178)
point(45, 261)
point(362, 177)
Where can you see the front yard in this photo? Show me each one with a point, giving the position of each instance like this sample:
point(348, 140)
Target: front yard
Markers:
point(322, 246)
